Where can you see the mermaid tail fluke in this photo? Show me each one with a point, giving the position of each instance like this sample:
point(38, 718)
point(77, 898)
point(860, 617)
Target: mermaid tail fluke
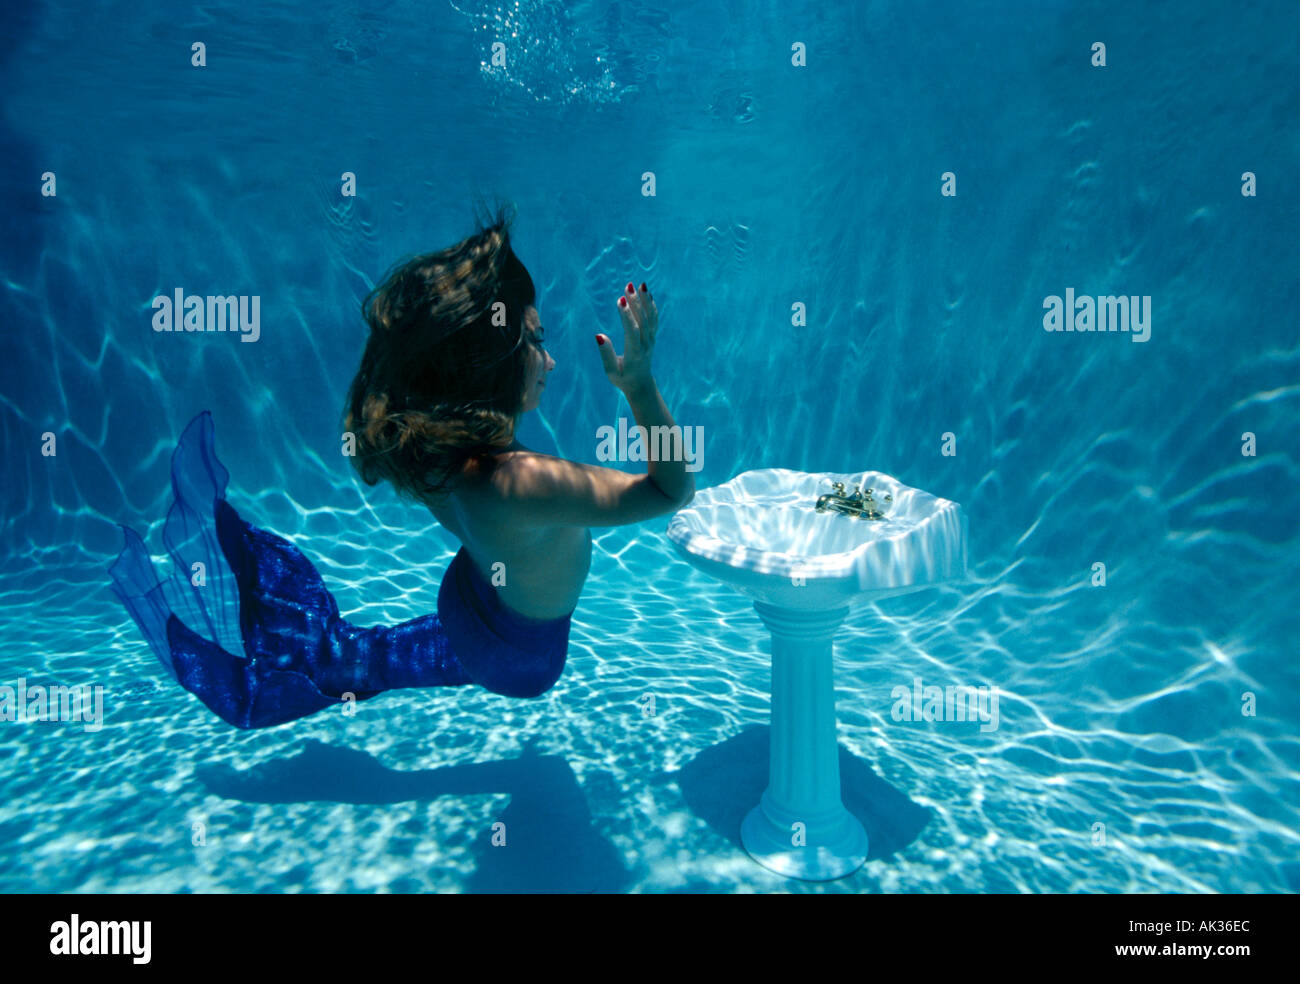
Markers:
point(201, 589)
point(254, 633)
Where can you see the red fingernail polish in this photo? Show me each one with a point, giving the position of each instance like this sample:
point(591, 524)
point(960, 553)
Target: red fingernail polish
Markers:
point(598, 341)
point(631, 288)
point(643, 287)
point(622, 302)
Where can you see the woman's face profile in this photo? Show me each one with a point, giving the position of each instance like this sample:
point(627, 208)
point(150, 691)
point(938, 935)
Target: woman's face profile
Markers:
point(540, 362)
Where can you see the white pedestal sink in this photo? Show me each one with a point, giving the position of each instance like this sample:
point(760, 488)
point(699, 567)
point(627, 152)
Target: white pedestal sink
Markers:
point(761, 533)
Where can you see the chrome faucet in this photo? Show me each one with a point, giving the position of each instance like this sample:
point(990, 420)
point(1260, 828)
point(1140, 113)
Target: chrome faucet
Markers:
point(864, 506)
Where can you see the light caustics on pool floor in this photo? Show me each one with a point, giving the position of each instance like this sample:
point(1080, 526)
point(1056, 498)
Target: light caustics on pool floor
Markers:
point(599, 793)
point(1121, 760)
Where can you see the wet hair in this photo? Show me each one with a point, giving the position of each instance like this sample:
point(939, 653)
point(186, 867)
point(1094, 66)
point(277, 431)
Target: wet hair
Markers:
point(443, 372)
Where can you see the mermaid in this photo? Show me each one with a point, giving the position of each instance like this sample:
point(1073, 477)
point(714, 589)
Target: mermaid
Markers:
point(454, 359)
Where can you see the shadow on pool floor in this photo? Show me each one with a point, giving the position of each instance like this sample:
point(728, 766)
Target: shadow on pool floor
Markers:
point(552, 843)
point(891, 819)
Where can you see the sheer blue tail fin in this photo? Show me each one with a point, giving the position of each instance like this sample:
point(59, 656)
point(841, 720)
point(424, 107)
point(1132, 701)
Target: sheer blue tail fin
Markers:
point(244, 620)
point(200, 589)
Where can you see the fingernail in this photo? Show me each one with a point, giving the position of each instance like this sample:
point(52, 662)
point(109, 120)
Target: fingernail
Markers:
point(622, 301)
point(643, 287)
point(631, 289)
point(599, 340)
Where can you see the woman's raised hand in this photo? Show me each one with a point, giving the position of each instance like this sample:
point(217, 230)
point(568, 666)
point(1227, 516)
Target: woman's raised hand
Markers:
point(640, 325)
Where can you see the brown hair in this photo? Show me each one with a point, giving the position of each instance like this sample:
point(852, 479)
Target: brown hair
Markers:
point(442, 376)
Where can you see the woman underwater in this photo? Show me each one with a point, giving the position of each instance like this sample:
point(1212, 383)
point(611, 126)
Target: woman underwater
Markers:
point(454, 359)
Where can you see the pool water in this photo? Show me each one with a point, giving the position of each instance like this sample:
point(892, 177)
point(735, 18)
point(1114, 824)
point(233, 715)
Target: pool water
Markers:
point(1133, 505)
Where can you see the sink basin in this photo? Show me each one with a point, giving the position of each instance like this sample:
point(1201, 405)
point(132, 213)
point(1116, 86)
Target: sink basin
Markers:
point(760, 533)
point(804, 570)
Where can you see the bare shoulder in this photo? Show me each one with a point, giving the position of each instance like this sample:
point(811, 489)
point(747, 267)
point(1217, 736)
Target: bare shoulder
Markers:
point(530, 489)
point(490, 492)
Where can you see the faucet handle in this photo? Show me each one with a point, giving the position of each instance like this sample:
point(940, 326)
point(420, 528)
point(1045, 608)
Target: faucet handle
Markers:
point(838, 487)
point(878, 507)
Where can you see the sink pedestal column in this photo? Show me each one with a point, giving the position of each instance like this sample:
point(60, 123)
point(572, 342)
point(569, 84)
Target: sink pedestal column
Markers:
point(800, 827)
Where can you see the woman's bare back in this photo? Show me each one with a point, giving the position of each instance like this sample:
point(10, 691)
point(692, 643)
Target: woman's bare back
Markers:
point(545, 567)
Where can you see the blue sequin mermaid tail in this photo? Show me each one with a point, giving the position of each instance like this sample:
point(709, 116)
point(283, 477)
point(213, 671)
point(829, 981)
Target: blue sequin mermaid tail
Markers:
point(246, 623)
